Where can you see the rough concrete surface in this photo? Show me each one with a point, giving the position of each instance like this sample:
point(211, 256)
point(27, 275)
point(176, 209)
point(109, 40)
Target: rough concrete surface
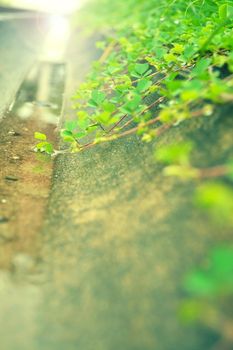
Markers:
point(119, 240)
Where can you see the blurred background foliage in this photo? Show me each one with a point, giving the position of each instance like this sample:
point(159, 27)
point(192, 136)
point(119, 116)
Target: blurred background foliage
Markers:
point(209, 296)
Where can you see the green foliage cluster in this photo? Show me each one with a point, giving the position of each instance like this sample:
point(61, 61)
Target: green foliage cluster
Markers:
point(214, 278)
point(178, 54)
point(43, 145)
point(178, 51)
point(210, 292)
point(215, 197)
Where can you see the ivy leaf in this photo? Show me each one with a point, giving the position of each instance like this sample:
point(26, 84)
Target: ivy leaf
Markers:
point(46, 147)
point(65, 133)
point(200, 283)
point(141, 68)
point(217, 198)
point(201, 67)
point(112, 69)
point(174, 86)
point(104, 117)
point(175, 153)
point(160, 52)
point(222, 261)
point(40, 136)
point(49, 148)
point(83, 120)
point(143, 85)
point(178, 49)
point(189, 51)
point(170, 57)
point(109, 107)
point(97, 97)
point(225, 12)
point(71, 125)
point(80, 134)
point(133, 104)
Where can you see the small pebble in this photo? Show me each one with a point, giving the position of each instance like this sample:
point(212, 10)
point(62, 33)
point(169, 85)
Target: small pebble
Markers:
point(11, 178)
point(16, 158)
point(14, 133)
point(3, 201)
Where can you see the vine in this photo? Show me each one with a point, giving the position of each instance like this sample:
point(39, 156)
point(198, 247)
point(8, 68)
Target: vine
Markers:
point(170, 49)
point(163, 62)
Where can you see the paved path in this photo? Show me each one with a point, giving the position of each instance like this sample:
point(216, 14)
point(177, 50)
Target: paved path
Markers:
point(20, 41)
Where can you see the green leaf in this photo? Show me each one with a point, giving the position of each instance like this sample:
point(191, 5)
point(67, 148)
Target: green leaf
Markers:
point(80, 134)
point(199, 283)
point(66, 133)
point(189, 51)
point(69, 139)
point(191, 310)
point(170, 57)
point(175, 153)
point(40, 136)
point(67, 136)
point(143, 85)
point(109, 107)
point(104, 117)
point(45, 147)
point(71, 125)
point(201, 66)
point(225, 11)
point(178, 49)
point(222, 261)
point(217, 199)
point(160, 52)
point(97, 97)
point(49, 148)
point(133, 104)
point(141, 68)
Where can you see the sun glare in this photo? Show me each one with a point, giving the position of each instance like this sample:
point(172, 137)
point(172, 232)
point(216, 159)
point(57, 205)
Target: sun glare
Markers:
point(56, 38)
point(52, 6)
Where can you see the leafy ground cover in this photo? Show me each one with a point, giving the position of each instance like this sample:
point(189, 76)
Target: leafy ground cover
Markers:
point(163, 62)
point(176, 55)
point(180, 52)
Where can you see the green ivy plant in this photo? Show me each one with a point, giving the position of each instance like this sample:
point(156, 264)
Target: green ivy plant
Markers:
point(215, 197)
point(172, 49)
point(209, 290)
point(177, 54)
point(43, 145)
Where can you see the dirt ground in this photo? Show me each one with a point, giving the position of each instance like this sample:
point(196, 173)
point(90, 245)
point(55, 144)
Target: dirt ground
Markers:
point(25, 179)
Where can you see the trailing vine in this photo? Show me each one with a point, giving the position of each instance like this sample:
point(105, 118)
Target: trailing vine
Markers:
point(168, 49)
point(163, 62)
point(173, 50)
